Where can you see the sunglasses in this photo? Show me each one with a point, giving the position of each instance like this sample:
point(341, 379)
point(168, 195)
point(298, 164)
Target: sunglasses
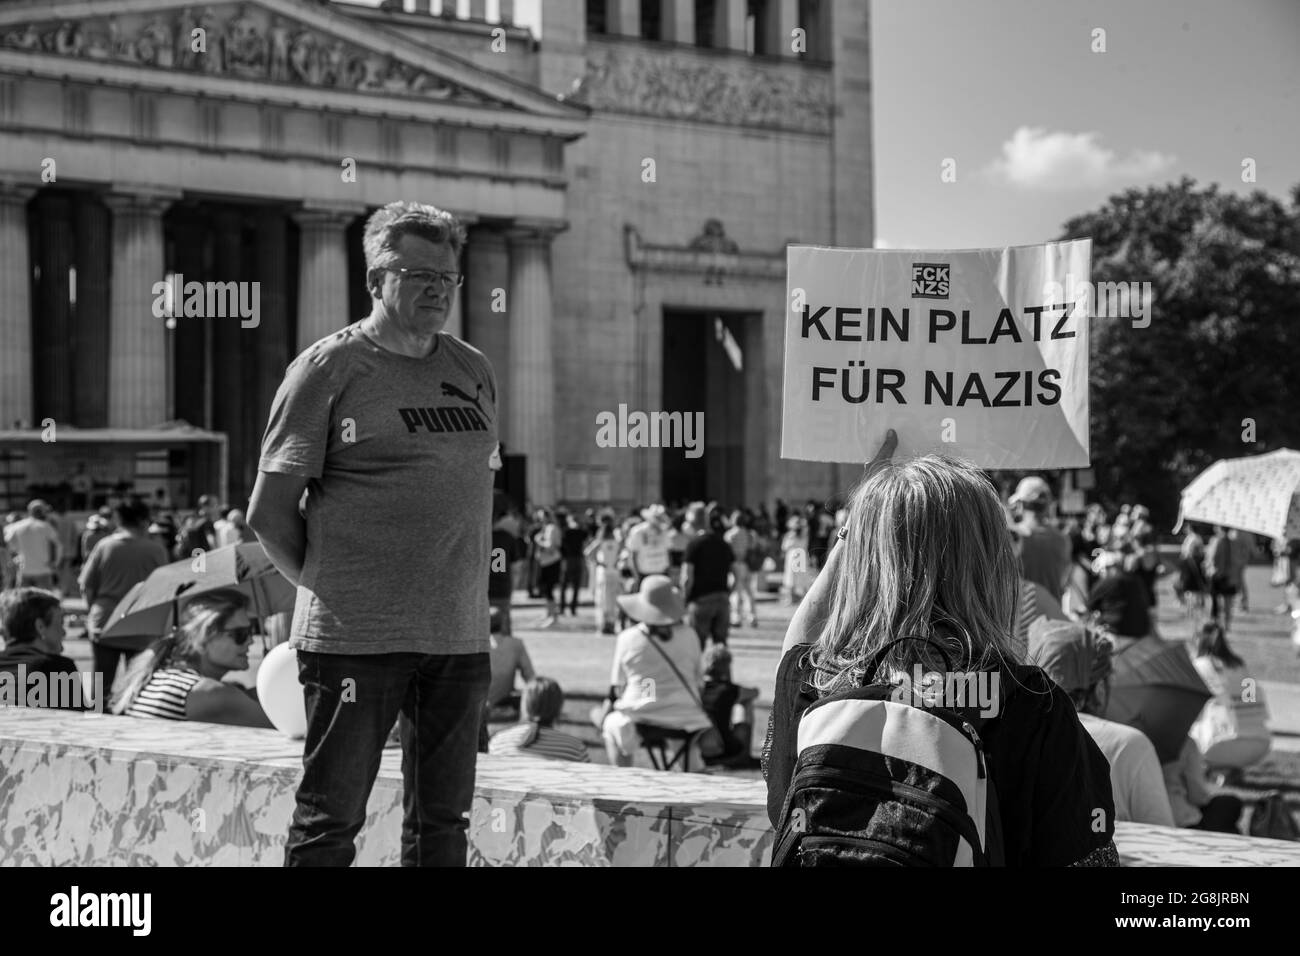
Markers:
point(240, 635)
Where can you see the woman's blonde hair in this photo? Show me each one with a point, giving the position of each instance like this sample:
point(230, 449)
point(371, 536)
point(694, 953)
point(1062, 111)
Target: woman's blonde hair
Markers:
point(202, 617)
point(926, 558)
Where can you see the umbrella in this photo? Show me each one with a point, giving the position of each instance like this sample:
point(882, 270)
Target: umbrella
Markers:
point(1259, 494)
point(150, 607)
point(1155, 688)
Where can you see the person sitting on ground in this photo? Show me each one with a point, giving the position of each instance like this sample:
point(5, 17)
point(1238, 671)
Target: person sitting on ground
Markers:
point(656, 671)
point(925, 564)
point(535, 735)
point(1231, 731)
point(729, 706)
point(1080, 664)
point(1195, 804)
point(1118, 598)
point(509, 657)
point(31, 623)
point(179, 676)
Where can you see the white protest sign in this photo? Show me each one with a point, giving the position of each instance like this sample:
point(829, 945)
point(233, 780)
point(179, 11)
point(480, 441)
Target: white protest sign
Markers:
point(979, 353)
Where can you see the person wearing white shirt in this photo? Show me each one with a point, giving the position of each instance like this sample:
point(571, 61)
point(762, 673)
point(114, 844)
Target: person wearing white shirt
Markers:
point(36, 548)
point(1080, 663)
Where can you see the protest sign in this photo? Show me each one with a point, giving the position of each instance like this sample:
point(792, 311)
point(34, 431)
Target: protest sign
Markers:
point(979, 353)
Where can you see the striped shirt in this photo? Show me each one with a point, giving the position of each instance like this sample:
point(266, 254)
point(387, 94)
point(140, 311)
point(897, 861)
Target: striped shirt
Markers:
point(165, 695)
point(549, 743)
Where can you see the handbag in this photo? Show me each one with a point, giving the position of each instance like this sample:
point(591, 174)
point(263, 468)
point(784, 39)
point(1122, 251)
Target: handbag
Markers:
point(709, 741)
point(1271, 819)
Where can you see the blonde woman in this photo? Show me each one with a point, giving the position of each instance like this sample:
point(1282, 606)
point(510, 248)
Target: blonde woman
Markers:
point(179, 677)
point(925, 560)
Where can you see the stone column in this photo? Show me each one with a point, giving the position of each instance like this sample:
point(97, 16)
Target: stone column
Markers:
point(487, 269)
point(90, 314)
point(230, 344)
point(15, 307)
point(137, 359)
point(52, 334)
point(622, 18)
point(322, 273)
point(781, 17)
point(506, 12)
point(678, 21)
point(456, 324)
point(529, 389)
point(729, 24)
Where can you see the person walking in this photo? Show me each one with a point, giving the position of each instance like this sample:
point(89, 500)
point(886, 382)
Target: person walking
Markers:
point(35, 546)
point(117, 564)
point(573, 539)
point(391, 551)
point(603, 552)
point(741, 539)
point(1045, 552)
point(705, 567)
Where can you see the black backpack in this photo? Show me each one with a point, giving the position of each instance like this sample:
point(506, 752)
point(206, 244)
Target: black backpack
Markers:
point(882, 782)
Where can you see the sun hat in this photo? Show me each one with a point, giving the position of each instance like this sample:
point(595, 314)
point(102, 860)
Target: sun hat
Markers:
point(658, 601)
point(1032, 489)
point(1069, 654)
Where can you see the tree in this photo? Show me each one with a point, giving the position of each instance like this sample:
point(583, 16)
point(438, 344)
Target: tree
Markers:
point(1223, 344)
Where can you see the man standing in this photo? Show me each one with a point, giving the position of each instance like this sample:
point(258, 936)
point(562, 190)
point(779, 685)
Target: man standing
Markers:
point(507, 550)
point(118, 563)
point(647, 544)
point(704, 578)
point(35, 545)
point(1044, 551)
point(389, 426)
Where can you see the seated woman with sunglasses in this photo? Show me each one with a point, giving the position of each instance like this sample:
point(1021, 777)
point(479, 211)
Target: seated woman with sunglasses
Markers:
point(925, 560)
point(179, 677)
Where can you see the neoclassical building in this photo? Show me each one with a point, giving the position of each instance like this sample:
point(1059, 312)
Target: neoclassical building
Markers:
point(629, 180)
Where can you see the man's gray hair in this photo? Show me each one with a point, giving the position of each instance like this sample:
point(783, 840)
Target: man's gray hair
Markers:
point(386, 226)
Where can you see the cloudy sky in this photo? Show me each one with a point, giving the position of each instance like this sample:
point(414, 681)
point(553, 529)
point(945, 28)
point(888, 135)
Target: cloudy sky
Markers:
point(1042, 128)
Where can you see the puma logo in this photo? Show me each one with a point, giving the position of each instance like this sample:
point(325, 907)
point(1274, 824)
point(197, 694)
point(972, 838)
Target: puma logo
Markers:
point(453, 391)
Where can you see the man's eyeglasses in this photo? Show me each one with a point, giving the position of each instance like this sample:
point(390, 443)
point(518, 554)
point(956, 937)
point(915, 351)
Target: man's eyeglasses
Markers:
point(429, 277)
point(240, 635)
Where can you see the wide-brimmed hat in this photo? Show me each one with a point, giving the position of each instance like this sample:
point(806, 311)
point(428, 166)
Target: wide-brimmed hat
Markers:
point(1032, 489)
point(658, 601)
point(1071, 656)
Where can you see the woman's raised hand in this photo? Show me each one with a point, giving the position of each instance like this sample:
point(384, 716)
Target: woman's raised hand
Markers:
point(883, 454)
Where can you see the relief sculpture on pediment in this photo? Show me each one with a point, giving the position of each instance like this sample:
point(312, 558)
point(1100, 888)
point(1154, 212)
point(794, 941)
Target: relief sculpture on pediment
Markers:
point(243, 41)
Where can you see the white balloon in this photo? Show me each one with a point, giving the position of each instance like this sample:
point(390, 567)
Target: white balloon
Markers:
point(280, 693)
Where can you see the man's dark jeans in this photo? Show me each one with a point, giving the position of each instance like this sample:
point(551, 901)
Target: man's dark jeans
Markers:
point(440, 701)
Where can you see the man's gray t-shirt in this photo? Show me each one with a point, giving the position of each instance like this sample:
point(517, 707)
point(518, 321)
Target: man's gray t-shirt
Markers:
point(399, 503)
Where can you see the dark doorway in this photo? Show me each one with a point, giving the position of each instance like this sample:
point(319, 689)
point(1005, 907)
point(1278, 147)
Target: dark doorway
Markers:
point(704, 370)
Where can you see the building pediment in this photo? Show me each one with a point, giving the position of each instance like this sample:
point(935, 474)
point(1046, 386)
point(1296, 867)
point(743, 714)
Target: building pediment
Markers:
point(278, 43)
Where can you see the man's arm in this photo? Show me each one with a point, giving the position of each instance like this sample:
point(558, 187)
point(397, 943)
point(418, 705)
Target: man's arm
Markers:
point(273, 514)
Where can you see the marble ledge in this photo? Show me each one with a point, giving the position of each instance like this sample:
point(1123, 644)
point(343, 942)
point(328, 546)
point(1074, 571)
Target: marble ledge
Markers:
point(141, 789)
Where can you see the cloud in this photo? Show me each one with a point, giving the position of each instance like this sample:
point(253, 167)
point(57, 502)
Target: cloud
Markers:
point(1035, 159)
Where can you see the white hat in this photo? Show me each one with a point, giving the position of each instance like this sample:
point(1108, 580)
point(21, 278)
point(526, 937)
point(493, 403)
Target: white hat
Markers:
point(658, 601)
point(1032, 488)
point(654, 513)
